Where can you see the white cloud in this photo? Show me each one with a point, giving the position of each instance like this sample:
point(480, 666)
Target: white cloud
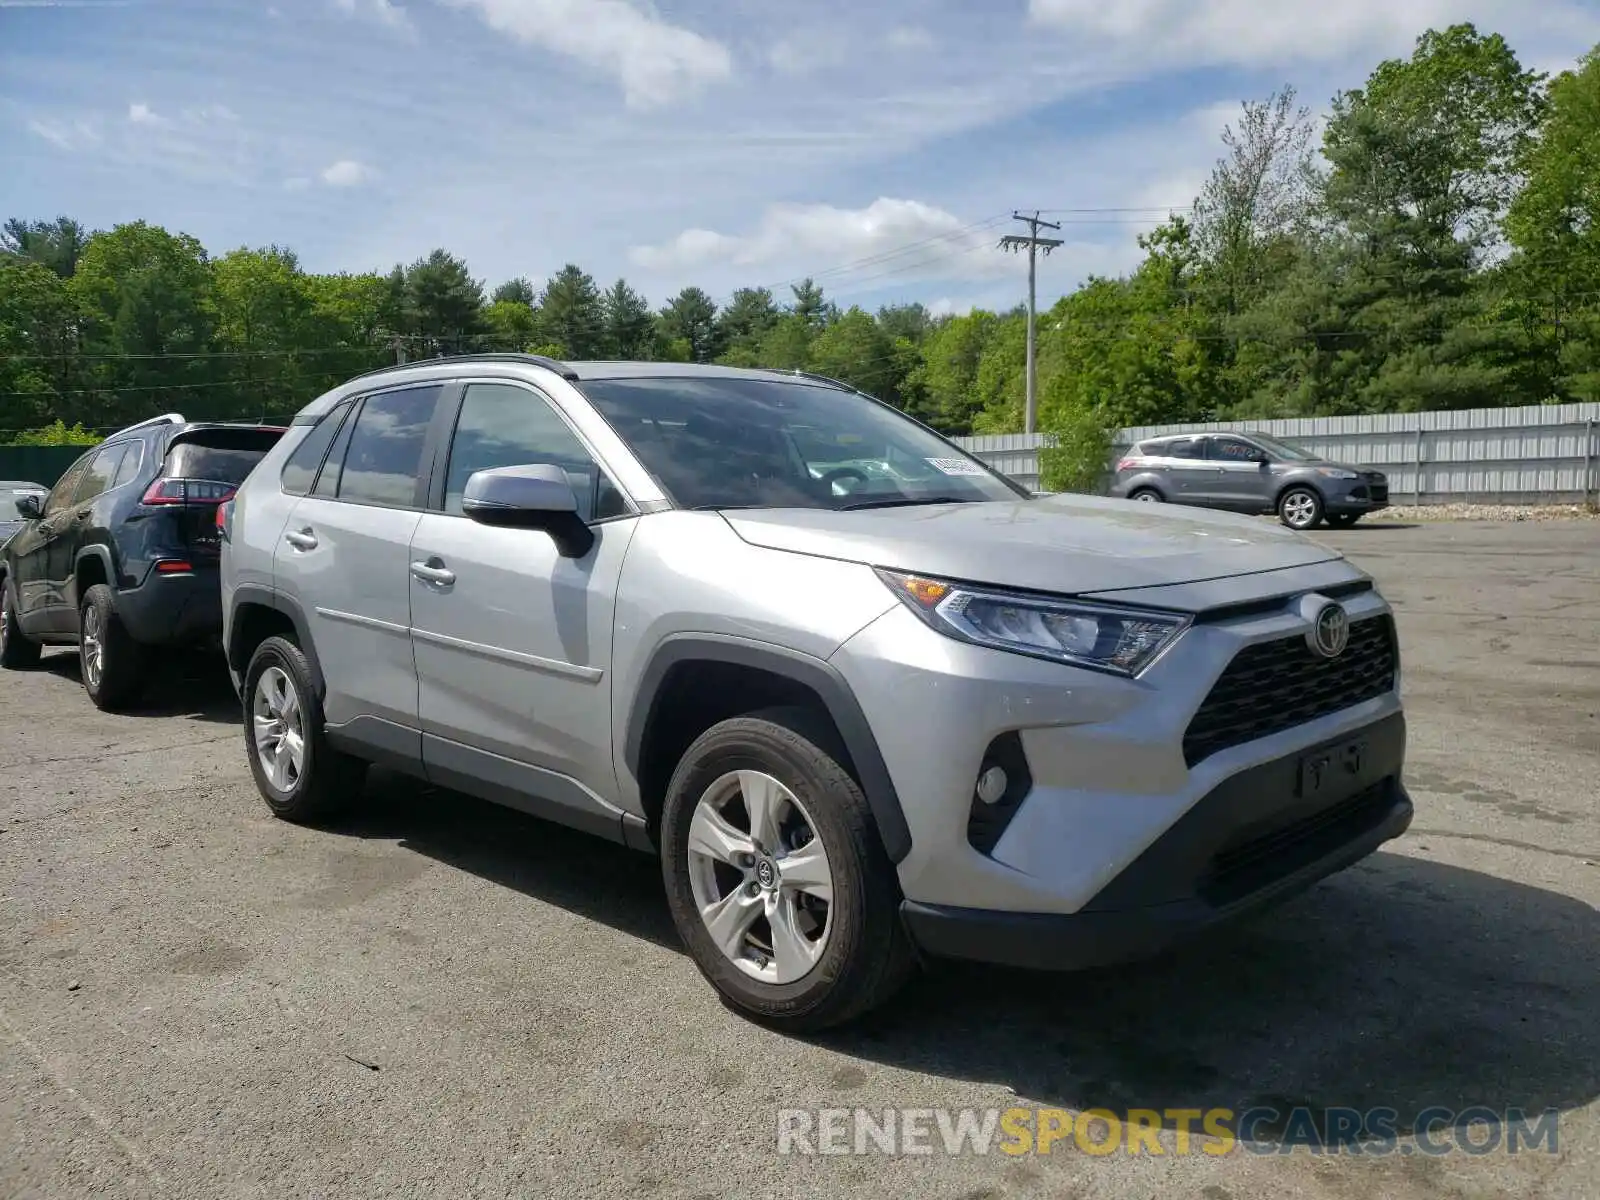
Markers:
point(384, 12)
point(143, 114)
point(802, 53)
point(655, 61)
point(910, 37)
point(347, 172)
point(66, 135)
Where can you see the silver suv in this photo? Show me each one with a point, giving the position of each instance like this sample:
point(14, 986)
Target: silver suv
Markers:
point(1250, 473)
point(860, 714)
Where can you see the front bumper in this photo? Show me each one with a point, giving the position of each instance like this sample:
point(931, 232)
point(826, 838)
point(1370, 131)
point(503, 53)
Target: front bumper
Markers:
point(1248, 844)
point(1347, 496)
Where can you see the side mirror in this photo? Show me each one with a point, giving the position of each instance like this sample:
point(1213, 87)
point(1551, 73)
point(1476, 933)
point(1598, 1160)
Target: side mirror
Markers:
point(30, 505)
point(538, 496)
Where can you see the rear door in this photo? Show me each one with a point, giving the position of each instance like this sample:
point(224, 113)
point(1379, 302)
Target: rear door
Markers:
point(344, 557)
point(203, 468)
point(1183, 462)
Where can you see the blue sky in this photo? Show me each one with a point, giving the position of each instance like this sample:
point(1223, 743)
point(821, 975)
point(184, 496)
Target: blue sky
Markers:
point(878, 146)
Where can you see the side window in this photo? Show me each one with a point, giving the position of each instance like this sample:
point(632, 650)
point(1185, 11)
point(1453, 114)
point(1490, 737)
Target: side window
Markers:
point(61, 495)
point(300, 472)
point(1185, 448)
point(1233, 450)
point(102, 470)
point(327, 484)
point(502, 425)
point(131, 462)
point(383, 458)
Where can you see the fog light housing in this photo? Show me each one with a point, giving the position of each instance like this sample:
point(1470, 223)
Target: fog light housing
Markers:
point(1001, 785)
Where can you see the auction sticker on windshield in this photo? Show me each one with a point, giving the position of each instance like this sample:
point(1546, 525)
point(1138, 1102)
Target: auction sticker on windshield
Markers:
point(955, 466)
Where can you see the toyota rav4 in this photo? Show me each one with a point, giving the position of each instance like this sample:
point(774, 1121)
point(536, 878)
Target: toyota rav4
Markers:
point(862, 716)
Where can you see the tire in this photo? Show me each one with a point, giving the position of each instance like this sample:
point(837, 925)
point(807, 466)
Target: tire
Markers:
point(1343, 520)
point(855, 954)
point(110, 661)
point(322, 780)
point(1300, 508)
point(1148, 495)
point(18, 651)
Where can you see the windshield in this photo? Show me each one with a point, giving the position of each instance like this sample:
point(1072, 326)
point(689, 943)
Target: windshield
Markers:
point(717, 442)
point(1283, 450)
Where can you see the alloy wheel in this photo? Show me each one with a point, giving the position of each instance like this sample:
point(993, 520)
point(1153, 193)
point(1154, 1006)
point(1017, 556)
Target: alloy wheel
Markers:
point(760, 876)
point(1300, 509)
point(94, 647)
point(279, 729)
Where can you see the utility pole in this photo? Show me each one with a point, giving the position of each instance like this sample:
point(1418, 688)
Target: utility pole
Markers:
point(1034, 243)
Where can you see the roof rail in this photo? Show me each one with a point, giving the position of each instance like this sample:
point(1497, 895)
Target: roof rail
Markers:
point(171, 418)
point(539, 360)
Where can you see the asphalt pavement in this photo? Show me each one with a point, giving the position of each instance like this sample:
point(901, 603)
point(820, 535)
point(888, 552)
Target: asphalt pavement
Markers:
point(440, 998)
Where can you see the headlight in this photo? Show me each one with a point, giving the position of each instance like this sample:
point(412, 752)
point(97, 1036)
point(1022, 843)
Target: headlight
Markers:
point(1337, 473)
point(1099, 636)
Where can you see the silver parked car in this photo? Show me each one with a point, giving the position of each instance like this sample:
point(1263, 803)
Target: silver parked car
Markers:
point(1250, 473)
point(924, 712)
point(10, 519)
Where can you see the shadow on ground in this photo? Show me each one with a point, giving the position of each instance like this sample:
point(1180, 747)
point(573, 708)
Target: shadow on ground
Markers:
point(1401, 983)
point(193, 685)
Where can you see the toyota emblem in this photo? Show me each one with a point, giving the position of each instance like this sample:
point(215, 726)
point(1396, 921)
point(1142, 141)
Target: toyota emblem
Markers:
point(1330, 630)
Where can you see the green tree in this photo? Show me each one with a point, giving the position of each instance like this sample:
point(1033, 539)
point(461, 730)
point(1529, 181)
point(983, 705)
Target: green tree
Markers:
point(39, 329)
point(744, 322)
point(518, 290)
point(945, 384)
point(440, 304)
point(570, 314)
point(810, 305)
point(787, 345)
point(1554, 224)
point(691, 316)
point(54, 244)
point(513, 326)
point(629, 323)
point(856, 350)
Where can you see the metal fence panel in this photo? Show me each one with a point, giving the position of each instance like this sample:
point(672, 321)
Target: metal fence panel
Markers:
point(37, 464)
point(1538, 454)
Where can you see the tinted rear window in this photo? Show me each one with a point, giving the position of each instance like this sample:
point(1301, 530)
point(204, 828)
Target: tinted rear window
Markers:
point(190, 460)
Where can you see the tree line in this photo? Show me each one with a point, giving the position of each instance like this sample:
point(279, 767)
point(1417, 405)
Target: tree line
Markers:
point(1435, 245)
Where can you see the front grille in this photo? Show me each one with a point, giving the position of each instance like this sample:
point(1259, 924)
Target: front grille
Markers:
point(1379, 487)
point(1273, 686)
point(1249, 866)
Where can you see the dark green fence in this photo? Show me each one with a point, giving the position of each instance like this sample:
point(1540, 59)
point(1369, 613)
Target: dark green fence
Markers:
point(37, 464)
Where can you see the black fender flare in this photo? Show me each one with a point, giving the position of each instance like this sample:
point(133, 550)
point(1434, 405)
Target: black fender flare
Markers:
point(265, 597)
point(809, 672)
point(101, 553)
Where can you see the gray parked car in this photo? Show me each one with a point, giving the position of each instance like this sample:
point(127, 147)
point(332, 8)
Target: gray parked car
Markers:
point(924, 713)
point(1250, 473)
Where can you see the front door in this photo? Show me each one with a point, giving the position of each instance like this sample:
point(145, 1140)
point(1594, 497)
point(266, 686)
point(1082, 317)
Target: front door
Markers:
point(1242, 479)
point(40, 605)
point(513, 641)
point(343, 557)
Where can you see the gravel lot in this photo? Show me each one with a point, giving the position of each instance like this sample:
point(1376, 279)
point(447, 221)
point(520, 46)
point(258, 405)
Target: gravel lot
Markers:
point(439, 998)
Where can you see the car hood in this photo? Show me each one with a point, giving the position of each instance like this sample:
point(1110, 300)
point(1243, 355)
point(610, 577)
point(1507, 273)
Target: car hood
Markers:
point(1068, 544)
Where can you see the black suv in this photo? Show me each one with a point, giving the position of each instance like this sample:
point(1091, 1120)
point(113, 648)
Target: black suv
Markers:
point(122, 554)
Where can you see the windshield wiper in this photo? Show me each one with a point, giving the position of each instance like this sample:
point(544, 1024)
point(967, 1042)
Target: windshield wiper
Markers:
point(903, 502)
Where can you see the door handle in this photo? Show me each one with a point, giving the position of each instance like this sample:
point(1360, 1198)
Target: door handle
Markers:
point(429, 573)
point(302, 539)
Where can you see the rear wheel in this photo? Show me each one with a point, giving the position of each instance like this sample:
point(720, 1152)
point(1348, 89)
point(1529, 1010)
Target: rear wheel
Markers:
point(1300, 508)
point(776, 877)
point(298, 774)
point(110, 661)
point(1146, 495)
point(17, 650)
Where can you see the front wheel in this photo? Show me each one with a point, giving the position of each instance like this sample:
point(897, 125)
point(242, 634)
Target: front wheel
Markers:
point(1300, 508)
point(775, 875)
point(17, 650)
point(298, 774)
